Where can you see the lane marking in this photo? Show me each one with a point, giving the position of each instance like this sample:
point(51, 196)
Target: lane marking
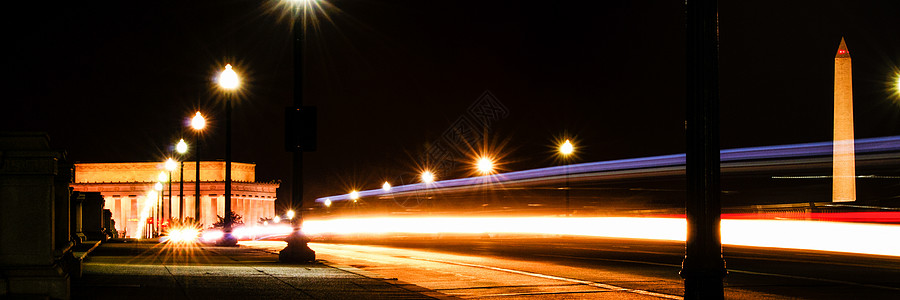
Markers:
point(545, 276)
point(750, 256)
point(540, 293)
point(733, 271)
point(612, 259)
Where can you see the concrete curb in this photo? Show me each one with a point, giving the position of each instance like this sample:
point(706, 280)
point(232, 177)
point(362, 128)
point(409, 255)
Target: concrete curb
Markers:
point(88, 251)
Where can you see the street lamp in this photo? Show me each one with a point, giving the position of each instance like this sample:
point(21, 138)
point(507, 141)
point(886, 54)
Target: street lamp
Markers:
point(297, 249)
point(198, 123)
point(427, 177)
point(485, 165)
point(897, 84)
point(354, 195)
point(229, 81)
point(566, 150)
point(386, 186)
point(290, 214)
point(181, 148)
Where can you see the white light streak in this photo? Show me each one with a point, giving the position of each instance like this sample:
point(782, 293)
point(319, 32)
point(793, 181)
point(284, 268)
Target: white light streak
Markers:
point(813, 235)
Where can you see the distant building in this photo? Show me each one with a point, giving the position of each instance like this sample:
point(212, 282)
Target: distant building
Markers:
point(125, 187)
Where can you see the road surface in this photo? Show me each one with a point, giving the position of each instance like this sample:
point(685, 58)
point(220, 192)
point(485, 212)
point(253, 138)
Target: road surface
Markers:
point(587, 268)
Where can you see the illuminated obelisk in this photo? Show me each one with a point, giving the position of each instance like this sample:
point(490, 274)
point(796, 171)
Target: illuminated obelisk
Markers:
point(844, 157)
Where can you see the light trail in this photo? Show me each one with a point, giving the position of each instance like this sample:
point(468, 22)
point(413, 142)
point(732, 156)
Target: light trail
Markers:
point(871, 145)
point(878, 239)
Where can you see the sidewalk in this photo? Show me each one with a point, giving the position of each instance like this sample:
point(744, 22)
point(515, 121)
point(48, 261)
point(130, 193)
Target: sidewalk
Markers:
point(149, 270)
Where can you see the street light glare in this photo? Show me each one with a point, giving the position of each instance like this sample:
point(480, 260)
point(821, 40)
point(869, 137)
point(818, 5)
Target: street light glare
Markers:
point(354, 195)
point(158, 186)
point(897, 84)
point(485, 165)
point(566, 148)
point(327, 202)
point(161, 177)
point(171, 164)
point(181, 147)
point(290, 214)
point(198, 122)
point(228, 79)
point(427, 177)
point(386, 186)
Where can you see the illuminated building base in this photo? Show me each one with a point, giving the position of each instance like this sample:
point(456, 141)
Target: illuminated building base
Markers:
point(125, 186)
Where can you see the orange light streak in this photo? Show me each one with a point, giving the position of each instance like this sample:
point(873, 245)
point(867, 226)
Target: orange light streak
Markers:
point(812, 235)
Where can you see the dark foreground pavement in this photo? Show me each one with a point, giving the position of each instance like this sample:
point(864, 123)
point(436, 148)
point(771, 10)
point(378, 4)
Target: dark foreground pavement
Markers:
point(145, 270)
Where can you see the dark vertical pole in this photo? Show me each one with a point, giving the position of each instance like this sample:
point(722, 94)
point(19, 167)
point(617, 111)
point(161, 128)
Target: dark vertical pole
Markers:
point(297, 249)
point(228, 239)
point(297, 173)
point(197, 184)
point(227, 166)
point(567, 187)
point(169, 209)
point(703, 268)
point(181, 192)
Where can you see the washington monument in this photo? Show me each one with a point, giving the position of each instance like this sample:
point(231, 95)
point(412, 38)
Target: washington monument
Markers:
point(844, 158)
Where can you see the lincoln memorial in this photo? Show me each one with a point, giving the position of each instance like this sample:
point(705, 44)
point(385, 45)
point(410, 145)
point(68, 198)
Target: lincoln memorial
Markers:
point(125, 187)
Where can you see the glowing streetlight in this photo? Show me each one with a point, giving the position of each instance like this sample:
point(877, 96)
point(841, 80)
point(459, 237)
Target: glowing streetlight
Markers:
point(427, 177)
point(354, 195)
point(566, 148)
point(485, 165)
point(170, 164)
point(161, 178)
point(327, 202)
point(290, 214)
point(229, 81)
point(198, 122)
point(897, 84)
point(181, 147)
point(276, 219)
point(386, 186)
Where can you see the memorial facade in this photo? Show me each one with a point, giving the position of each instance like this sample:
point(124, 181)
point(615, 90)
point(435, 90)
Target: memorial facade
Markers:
point(126, 186)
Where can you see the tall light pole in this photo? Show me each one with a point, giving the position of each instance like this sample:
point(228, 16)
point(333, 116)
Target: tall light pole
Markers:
point(170, 166)
point(181, 148)
point(229, 81)
point(158, 187)
point(566, 150)
point(198, 123)
point(297, 249)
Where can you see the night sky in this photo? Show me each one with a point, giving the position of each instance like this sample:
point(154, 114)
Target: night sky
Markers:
point(115, 81)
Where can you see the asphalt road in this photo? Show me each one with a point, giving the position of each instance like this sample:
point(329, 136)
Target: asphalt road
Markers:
point(577, 267)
